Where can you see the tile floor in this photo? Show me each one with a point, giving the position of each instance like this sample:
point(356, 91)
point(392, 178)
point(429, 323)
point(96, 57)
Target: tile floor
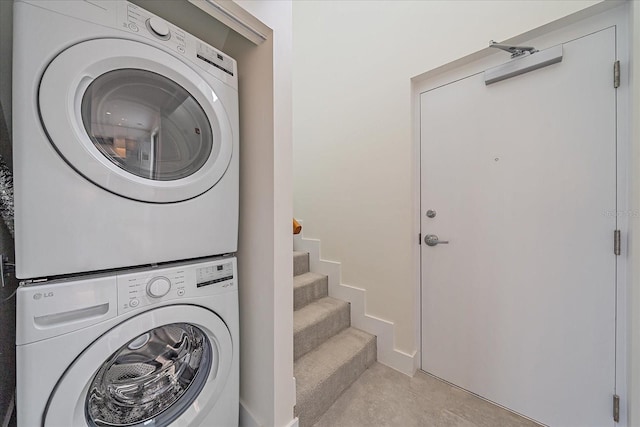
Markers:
point(383, 397)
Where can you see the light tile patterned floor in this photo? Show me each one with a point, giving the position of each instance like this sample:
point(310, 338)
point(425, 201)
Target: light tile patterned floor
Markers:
point(383, 397)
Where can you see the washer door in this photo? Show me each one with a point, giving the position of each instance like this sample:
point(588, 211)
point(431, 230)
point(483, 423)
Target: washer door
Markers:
point(135, 120)
point(153, 369)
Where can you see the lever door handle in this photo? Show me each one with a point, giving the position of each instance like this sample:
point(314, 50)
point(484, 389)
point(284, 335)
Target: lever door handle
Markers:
point(433, 240)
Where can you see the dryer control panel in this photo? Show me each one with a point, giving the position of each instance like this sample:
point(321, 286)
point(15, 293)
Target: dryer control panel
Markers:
point(152, 286)
point(138, 21)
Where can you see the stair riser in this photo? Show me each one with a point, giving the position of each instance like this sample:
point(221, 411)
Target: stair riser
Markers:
point(310, 292)
point(314, 403)
point(300, 263)
point(315, 334)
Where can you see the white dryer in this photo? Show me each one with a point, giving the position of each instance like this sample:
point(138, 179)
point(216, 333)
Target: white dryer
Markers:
point(125, 140)
point(152, 347)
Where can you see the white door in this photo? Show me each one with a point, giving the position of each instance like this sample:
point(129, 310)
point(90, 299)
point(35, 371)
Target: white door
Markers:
point(519, 307)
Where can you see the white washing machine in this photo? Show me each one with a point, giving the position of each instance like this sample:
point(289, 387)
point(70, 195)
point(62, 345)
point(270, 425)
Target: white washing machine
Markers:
point(152, 347)
point(125, 140)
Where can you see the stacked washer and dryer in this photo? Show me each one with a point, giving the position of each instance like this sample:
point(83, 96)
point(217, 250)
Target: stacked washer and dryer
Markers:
point(126, 215)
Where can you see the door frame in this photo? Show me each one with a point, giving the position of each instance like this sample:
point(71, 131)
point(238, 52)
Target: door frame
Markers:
point(587, 21)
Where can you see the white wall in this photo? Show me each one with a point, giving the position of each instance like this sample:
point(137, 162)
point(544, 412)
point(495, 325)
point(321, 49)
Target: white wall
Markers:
point(353, 152)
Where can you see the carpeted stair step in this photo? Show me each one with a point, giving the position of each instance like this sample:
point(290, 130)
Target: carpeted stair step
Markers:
point(324, 373)
point(309, 287)
point(317, 322)
point(300, 263)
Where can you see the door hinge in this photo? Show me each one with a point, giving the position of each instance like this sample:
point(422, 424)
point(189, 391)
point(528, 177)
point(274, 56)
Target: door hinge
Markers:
point(616, 242)
point(419, 238)
point(616, 408)
point(616, 74)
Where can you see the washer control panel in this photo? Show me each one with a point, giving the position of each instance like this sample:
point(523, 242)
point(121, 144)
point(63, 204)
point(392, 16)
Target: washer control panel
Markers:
point(146, 287)
point(210, 275)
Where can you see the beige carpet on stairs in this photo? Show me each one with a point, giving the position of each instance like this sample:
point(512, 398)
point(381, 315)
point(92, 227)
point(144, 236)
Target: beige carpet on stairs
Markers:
point(329, 354)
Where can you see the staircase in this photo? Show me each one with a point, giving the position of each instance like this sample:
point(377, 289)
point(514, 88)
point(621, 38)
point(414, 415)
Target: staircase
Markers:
point(328, 353)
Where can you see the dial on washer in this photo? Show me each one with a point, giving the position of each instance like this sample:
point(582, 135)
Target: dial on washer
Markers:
point(158, 287)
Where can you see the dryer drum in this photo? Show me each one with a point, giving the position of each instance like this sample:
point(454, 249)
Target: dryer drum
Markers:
point(157, 375)
point(147, 124)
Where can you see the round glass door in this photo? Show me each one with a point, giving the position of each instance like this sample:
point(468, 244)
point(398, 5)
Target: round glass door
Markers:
point(155, 376)
point(147, 124)
point(138, 121)
point(185, 355)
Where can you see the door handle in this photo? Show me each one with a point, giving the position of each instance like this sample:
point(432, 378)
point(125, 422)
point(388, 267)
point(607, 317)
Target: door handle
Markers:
point(433, 240)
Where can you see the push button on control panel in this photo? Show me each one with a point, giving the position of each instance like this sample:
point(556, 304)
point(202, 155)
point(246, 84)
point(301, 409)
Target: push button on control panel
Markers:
point(158, 287)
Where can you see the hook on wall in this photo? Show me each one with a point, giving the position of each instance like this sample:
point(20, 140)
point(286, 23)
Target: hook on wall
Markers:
point(515, 51)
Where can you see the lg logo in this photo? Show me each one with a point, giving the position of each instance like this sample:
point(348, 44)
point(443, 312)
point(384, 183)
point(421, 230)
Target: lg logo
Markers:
point(45, 295)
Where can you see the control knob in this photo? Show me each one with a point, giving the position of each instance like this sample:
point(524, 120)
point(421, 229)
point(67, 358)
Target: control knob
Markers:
point(158, 27)
point(158, 287)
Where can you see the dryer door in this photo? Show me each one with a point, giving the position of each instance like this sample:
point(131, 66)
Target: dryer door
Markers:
point(136, 120)
point(153, 369)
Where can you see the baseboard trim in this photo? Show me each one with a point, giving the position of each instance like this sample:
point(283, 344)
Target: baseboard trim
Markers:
point(248, 420)
point(246, 417)
point(293, 423)
point(383, 329)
